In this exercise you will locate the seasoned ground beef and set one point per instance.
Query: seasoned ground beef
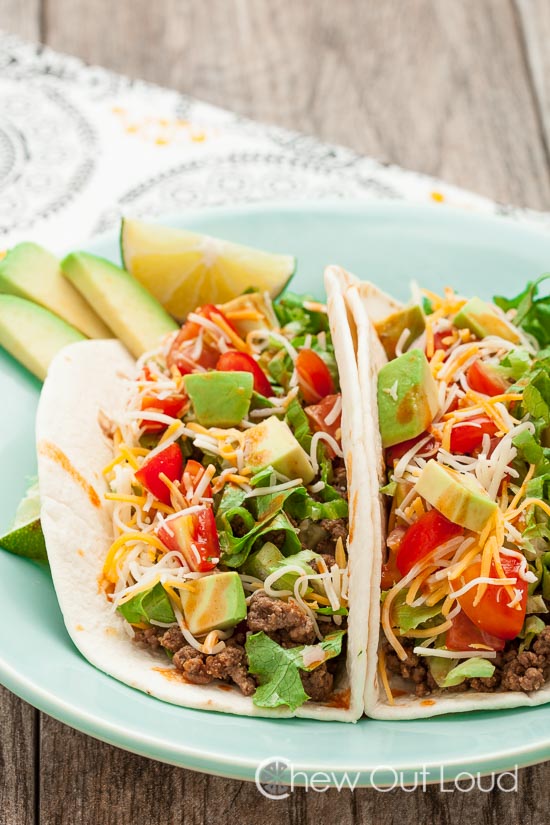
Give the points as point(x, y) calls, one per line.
point(318, 683)
point(282, 621)
point(334, 529)
point(339, 477)
point(514, 670)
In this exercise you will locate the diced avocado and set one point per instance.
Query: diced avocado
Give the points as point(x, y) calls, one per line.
point(407, 397)
point(457, 496)
point(391, 328)
point(32, 334)
point(261, 563)
point(127, 308)
point(220, 399)
point(215, 603)
point(269, 558)
point(272, 443)
point(481, 318)
point(31, 272)
point(254, 303)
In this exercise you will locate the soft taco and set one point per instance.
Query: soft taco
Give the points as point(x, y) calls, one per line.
point(457, 391)
point(202, 520)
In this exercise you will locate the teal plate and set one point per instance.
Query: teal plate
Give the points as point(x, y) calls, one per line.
point(388, 244)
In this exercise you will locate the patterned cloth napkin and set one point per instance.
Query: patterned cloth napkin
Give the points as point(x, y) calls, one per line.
point(79, 146)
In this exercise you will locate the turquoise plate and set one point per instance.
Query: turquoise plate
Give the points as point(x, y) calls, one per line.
point(389, 244)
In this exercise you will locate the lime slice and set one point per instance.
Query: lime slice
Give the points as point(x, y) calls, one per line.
point(184, 270)
point(26, 537)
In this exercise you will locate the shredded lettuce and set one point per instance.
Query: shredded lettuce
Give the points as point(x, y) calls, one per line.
point(532, 311)
point(151, 605)
point(278, 668)
point(407, 617)
point(290, 310)
point(298, 422)
point(468, 669)
point(531, 628)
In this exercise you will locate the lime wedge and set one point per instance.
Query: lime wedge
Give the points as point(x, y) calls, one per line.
point(184, 270)
point(26, 537)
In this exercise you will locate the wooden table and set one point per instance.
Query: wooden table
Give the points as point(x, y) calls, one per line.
point(456, 88)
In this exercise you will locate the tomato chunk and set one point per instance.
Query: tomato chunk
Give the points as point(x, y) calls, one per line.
point(397, 451)
point(423, 537)
point(492, 614)
point(464, 634)
point(195, 536)
point(183, 352)
point(317, 414)
point(233, 361)
point(468, 435)
point(170, 462)
point(194, 472)
point(314, 376)
point(173, 405)
point(481, 378)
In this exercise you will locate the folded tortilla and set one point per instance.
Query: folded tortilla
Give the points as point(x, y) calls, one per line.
point(367, 305)
point(83, 381)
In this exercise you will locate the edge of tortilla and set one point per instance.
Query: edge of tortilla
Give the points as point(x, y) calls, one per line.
point(77, 523)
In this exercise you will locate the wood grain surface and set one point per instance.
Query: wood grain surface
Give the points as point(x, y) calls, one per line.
point(456, 88)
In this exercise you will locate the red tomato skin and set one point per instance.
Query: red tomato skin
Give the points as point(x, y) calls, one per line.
point(469, 435)
point(423, 537)
point(482, 379)
point(180, 354)
point(317, 413)
point(181, 531)
point(173, 406)
point(492, 614)
point(464, 633)
point(233, 361)
point(397, 451)
point(438, 340)
point(169, 462)
point(314, 376)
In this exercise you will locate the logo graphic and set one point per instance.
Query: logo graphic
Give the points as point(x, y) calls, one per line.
point(273, 777)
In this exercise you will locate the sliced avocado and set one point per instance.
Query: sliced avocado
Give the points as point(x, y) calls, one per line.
point(253, 302)
point(220, 399)
point(128, 309)
point(407, 397)
point(32, 334)
point(482, 319)
point(390, 329)
point(31, 272)
point(272, 443)
point(457, 495)
point(215, 603)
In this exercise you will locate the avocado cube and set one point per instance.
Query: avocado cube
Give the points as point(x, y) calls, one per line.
point(456, 495)
point(220, 399)
point(216, 602)
point(272, 444)
point(391, 328)
point(407, 397)
point(482, 319)
point(264, 561)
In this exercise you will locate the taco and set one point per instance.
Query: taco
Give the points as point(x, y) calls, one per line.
point(457, 391)
point(202, 520)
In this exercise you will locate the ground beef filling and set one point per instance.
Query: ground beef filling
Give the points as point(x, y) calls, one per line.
point(283, 622)
point(514, 670)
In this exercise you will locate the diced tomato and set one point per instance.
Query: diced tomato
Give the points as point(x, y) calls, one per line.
point(182, 352)
point(468, 435)
point(195, 536)
point(172, 406)
point(390, 573)
point(481, 378)
point(233, 361)
point(314, 376)
point(170, 462)
point(464, 634)
point(317, 414)
point(195, 470)
point(397, 451)
point(423, 537)
point(439, 337)
point(492, 614)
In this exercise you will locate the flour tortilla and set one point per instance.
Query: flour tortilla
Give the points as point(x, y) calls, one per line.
point(86, 378)
point(367, 304)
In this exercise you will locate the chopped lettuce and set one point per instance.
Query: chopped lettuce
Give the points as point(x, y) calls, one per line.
point(531, 628)
point(468, 669)
point(290, 310)
point(298, 422)
point(407, 617)
point(151, 605)
point(278, 668)
point(515, 364)
point(536, 604)
point(532, 311)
